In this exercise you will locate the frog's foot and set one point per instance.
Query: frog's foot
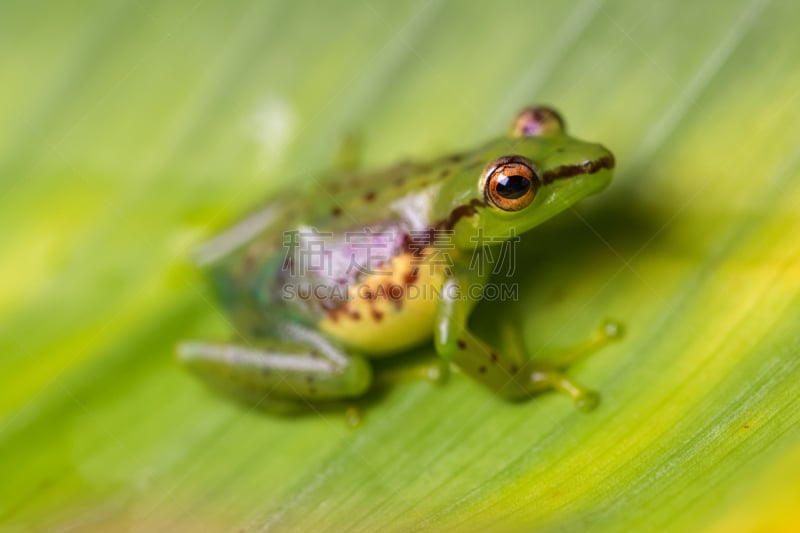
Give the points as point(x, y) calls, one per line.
point(608, 332)
point(513, 376)
point(542, 379)
point(279, 370)
point(536, 376)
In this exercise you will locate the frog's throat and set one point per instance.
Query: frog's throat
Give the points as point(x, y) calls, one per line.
point(590, 166)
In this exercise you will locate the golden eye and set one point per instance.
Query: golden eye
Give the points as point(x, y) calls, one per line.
point(511, 183)
point(536, 121)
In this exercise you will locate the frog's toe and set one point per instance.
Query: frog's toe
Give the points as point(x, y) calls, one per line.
point(587, 401)
point(353, 417)
point(612, 329)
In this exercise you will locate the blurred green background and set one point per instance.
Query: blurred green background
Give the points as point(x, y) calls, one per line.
point(131, 130)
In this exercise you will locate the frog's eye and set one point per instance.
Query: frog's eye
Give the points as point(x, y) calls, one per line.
point(536, 121)
point(511, 183)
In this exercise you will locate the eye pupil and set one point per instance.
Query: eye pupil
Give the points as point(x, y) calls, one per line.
point(510, 183)
point(513, 187)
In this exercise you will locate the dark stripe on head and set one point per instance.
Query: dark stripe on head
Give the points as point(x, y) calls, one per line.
point(458, 213)
point(570, 171)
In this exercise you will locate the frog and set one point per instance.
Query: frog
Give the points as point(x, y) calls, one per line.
point(354, 266)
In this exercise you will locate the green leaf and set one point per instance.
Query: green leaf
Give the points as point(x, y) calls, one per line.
point(132, 130)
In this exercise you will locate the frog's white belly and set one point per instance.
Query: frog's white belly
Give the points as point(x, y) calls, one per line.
point(391, 310)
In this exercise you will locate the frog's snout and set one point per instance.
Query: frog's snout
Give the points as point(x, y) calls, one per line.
point(611, 161)
point(604, 162)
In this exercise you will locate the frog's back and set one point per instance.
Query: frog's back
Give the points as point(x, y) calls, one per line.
point(344, 257)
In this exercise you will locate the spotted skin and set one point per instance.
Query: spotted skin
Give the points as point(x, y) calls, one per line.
point(390, 310)
point(349, 267)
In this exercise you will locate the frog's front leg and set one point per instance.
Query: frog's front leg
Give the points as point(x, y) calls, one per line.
point(298, 368)
point(510, 373)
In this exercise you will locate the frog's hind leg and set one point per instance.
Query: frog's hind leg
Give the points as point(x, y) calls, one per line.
point(279, 369)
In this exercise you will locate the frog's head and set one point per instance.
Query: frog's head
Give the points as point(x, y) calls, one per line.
point(533, 173)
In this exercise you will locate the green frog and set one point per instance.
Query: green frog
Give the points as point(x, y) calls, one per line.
point(355, 266)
